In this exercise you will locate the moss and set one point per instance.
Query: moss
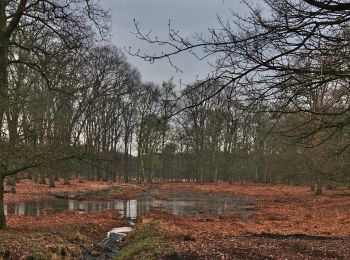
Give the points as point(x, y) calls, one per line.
point(144, 243)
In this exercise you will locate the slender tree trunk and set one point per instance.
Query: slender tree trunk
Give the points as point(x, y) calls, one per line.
point(319, 185)
point(312, 188)
point(216, 177)
point(3, 74)
point(2, 207)
point(42, 178)
point(126, 168)
point(126, 158)
point(105, 171)
point(90, 171)
point(11, 181)
point(151, 171)
point(51, 181)
point(3, 97)
point(35, 177)
point(142, 169)
point(66, 179)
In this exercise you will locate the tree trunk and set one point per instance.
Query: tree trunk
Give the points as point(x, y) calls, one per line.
point(319, 186)
point(105, 171)
point(51, 181)
point(66, 179)
point(312, 188)
point(216, 177)
point(3, 97)
point(11, 181)
point(42, 178)
point(142, 169)
point(126, 157)
point(2, 208)
point(151, 171)
point(3, 75)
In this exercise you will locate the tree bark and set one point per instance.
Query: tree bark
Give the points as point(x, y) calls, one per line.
point(319, 185)
point(51, 181)
point(142, 169)
point(3, 75)
point(2, 207)
point(42, 178)
point(66, 179)
point(126, 155)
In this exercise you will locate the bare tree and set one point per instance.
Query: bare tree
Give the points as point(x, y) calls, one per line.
point(68, 21)
point(276, 57)
point(259, 53)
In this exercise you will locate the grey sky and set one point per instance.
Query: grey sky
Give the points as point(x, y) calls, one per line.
point(188, 16)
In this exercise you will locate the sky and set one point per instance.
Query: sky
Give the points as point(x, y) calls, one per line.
point(187, 16)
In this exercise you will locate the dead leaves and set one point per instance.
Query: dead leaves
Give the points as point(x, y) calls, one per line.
point(278, 209)
point(28, 190)
point(49, 235)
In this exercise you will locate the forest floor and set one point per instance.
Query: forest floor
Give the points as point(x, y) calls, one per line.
point(82, 189)
point(285, 222)
point(64, 234)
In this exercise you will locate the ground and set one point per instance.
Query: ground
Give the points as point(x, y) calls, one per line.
point(27, 190)
point(50, 237)
point(64, 234)
point(285, 222)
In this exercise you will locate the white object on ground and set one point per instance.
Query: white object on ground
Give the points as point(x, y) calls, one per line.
point(119, 232)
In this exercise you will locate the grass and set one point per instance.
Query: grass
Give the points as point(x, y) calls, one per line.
point(106, 191)
point(4, 253)
point(36, 256)
point(101, 193)
point(144, 243)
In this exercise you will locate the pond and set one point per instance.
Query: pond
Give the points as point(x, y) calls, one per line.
point(186, 203)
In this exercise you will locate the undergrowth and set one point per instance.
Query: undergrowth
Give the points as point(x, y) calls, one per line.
point(144, 243)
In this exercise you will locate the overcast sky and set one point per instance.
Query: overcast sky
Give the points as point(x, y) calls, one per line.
point(188, 16)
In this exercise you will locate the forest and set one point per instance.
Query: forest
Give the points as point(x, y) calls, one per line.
point(269, 124)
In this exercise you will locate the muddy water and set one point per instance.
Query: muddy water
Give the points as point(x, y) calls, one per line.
point(180, 203)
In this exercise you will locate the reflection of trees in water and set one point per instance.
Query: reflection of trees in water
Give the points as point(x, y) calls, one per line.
point(178, 203)
point(129, 209)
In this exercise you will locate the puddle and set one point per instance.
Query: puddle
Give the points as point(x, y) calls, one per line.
point(181, 203)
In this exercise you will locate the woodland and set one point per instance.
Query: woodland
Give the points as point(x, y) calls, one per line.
point(270, 121)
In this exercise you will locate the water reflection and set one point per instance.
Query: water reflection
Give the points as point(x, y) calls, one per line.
point(181, 203)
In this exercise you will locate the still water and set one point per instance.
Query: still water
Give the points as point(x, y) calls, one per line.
point(180, 203)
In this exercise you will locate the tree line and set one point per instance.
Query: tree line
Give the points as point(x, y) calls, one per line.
point(273, 110)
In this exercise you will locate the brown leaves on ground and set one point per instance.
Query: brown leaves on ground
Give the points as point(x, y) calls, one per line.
point(49, 237)
point(286, 222)
point(285, 209)
point(66, 233)
point(29, 190)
